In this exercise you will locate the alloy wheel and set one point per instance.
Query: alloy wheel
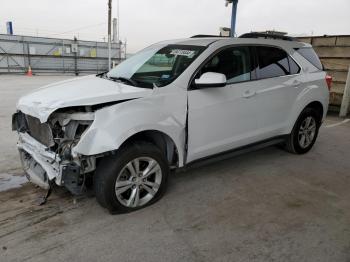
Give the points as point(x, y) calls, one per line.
point(307, 132)
point(138, 182)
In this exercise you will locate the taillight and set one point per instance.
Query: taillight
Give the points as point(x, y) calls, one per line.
point(329, 81)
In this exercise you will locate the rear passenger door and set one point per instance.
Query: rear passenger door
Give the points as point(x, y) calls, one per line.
point(279, 85)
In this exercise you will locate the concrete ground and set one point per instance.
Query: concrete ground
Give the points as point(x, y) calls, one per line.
point(266, 205)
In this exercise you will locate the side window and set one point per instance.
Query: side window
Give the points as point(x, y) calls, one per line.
point(235, 63)
point(294, 68)
point(273, 62)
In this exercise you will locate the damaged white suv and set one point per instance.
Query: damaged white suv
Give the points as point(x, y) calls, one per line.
point(169, 106)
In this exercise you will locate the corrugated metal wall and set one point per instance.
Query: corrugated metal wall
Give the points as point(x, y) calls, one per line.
point(52, 55)
point(334, 52)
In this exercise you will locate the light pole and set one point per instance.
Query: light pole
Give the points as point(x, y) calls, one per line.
point(234, 15)
point(118, 25)
point(109, 32)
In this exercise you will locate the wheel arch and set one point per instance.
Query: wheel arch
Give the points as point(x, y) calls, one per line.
point(317, 106)
point(160, 139)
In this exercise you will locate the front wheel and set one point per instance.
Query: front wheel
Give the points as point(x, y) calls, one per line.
point(136, 177)
point(304, 133)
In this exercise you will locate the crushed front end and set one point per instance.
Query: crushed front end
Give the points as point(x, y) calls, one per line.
point(46, 148)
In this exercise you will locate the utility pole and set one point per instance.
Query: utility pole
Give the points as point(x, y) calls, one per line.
point(115, 30)
point(118, 25)
point(109, 32)
point(234, 15)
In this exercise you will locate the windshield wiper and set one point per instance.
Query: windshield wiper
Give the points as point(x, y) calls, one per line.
point(126, 80)
point(123, 79)
point(102, 75)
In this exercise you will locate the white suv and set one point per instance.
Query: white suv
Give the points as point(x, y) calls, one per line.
point(169, 106)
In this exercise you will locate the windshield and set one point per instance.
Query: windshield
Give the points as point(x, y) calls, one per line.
point(156, 66)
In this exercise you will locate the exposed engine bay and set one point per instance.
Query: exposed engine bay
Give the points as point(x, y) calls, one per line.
point(46, 148)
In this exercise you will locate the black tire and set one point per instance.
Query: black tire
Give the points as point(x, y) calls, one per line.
point(292, 144)
point(109, 168)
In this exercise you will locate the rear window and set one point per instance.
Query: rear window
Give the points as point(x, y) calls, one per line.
point(310, 55)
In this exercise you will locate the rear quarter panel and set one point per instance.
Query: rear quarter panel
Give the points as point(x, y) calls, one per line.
point(314, 90)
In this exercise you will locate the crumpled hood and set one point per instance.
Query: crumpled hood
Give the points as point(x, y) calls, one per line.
point(82, 91)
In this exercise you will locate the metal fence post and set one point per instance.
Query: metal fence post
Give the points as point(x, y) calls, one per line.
point(76, 64)
point(76, 58)
point(8, 63)
point(97, 64)
point(25, 63)
point(344, 109)
point(63, 53)
point(28, 57)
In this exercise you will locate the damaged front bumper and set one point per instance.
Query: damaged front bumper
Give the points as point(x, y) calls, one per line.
point(43, 166)
point(40, 164)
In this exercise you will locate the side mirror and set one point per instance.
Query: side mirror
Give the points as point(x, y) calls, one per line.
point(211, 79)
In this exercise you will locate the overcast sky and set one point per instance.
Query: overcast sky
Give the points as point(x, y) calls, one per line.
point(148, 21)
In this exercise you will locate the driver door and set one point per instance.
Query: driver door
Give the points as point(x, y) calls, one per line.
point(223, 118)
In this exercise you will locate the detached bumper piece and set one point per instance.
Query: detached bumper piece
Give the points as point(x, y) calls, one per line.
point(42, 166)
point(34, 171)
point(36, 175)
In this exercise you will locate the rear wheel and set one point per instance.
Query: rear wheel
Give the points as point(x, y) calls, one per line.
point(305, 131)
point(136, 177)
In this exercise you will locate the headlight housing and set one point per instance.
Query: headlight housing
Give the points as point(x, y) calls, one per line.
point(67, 129)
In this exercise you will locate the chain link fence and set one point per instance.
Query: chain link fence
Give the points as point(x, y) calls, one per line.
point(52, 55)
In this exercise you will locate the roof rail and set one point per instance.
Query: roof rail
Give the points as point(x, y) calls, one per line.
point(268, 35)
point(203, 36)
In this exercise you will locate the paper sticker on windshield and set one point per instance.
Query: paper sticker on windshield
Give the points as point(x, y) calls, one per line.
point(188, 53)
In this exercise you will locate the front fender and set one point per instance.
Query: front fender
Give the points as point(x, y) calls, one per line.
point(115, 124)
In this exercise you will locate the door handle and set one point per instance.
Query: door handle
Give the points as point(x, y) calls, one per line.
point(249, 94)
